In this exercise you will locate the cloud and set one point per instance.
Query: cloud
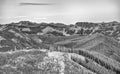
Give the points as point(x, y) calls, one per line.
point(37, 4)
point(60, 10)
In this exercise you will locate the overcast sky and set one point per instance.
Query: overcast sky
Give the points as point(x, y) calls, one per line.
point(63, 11)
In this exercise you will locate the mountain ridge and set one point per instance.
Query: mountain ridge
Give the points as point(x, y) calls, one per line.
point(55, 48)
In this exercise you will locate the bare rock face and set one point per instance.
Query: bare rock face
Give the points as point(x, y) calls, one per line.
point(56, 48)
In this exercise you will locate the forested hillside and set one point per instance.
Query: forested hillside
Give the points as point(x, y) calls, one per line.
point(56, 48)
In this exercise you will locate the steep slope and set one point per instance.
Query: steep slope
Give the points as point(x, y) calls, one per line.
point(93, 61)
point(97, 42)
point(39, 62)
point(53, 62)
point(11, 38)
point(55, 48)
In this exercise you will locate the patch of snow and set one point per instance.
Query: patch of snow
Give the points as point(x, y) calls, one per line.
point(48, 29)
point(39, 33)
point(3, 46)
point(14, 40)
point(8, 65)
point(64, 33)
point(38, 40)
point(2, 38)
point(76, 55)
point(16, 34)
point(26, 29)
point(12, 31)
point(55, 54)
point(2, 28)
point(43, 50)
point(59, 56)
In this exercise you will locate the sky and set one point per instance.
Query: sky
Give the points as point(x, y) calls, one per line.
point(62, 11)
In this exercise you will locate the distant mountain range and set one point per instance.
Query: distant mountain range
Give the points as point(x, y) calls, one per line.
point(84, 47)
